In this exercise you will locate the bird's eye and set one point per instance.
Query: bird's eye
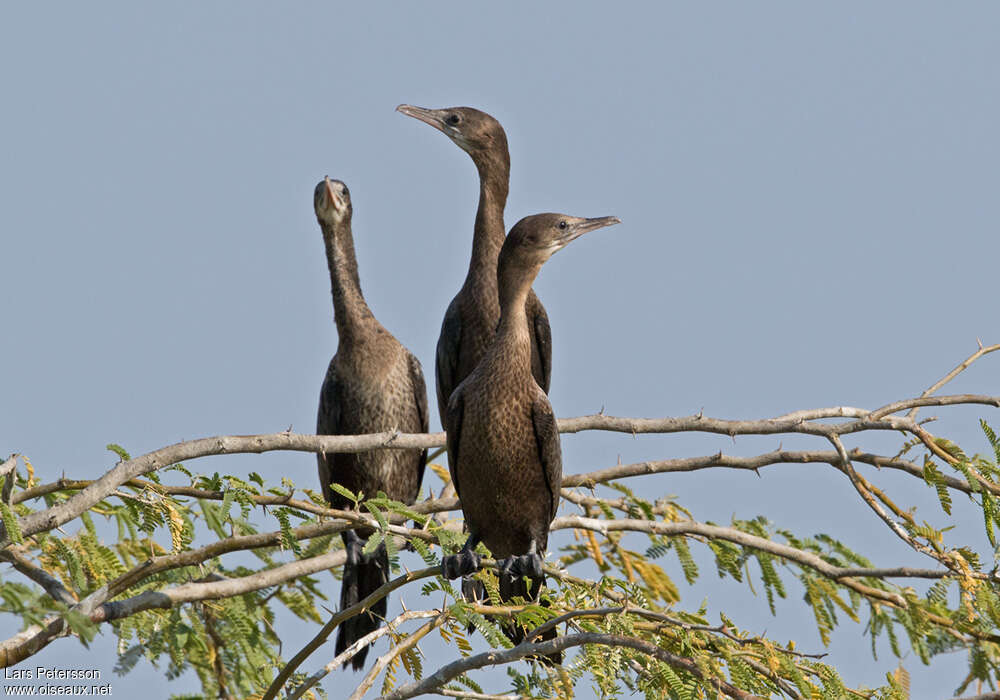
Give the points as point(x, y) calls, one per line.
point(563, 225)
point(453, 119)
point(345, 190)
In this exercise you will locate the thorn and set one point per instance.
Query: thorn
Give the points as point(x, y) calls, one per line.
point(979, 340)
point(289, 428)
point(601, 412)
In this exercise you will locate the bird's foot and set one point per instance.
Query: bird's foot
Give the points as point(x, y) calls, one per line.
point(462, 564)
point(525, 565)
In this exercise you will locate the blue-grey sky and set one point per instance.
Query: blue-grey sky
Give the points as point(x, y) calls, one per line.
point(809, 206)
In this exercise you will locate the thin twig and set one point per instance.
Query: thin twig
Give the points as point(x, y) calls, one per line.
point(357, 646)
point(954, 373)
point(52, 586)
point(387, 658)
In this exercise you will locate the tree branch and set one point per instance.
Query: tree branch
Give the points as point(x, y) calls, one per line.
point(357, 646)
point(799, 422)
point(52, 586)
point(387, 658)
point(954, 373)
point(494, 658)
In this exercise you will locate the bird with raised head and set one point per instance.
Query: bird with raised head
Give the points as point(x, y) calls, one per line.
point(471, 318)
point(372, 384)
point(503, 444)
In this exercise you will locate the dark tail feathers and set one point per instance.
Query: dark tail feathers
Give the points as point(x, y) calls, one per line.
point(516, 586)
point(359, 582)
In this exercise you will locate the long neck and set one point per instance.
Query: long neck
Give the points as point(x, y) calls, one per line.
point(494, 181)
point(512, 332)
point(349, 307)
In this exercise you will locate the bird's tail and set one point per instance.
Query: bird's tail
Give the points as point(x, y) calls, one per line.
point(360, 581)
point(527, 588)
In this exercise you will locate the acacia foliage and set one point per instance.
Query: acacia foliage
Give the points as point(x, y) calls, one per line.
point(612, 575)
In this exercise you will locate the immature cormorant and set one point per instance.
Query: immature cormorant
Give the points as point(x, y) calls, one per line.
point(373, 384)
point(471, 319)
point(503, 444)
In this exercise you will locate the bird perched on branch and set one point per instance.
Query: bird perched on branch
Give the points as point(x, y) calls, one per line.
point(471, 318)
point(373, 384)
point(503, 444)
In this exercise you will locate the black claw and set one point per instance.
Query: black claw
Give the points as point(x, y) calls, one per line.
point(524, 565)
point(462, 564)
point(530, 565)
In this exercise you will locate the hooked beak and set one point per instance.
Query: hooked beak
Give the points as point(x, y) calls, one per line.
point(427, 116)
point(582, 226)
point(338, 204)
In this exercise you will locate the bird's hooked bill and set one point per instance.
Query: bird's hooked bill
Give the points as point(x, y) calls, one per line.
point(428, 116)
point(335, 199)
point(582, 226)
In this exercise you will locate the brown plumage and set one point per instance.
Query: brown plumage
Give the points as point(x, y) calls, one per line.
point(472, 316)
point(503, 444)
point(373, 384)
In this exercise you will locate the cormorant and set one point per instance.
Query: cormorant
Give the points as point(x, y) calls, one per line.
point(471, 318)
point(373, 384)
point(503, 444)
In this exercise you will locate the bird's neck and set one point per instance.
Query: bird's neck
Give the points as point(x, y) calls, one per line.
point(489, 233)
point(350, 311)
point(513, 334)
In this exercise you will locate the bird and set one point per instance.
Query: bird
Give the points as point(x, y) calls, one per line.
point(372, 384)
point(472, 316)
point(503, 444)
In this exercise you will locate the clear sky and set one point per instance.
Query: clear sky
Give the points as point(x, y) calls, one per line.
point(808, 196)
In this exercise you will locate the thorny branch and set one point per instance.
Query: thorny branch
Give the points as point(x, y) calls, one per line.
point(496, 657)
point(829, 423)
point(798, 422)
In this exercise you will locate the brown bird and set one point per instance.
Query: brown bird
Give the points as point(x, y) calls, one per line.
point(471, 318)
point(373, 384)
point(503, 444)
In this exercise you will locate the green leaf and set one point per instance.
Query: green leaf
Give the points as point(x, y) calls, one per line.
point(337, 488)
point(10, 523)
point(120, 451)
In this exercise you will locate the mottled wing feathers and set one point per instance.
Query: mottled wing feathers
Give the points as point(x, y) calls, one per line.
point(420, 400)
point(446, 362)
point(549, 451)
point(453, 424)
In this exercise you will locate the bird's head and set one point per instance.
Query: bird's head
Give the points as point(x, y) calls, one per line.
point(475, 132)
point(534, 239)
point(332, 202)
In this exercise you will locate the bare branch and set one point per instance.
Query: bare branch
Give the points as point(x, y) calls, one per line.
point(954, 373)
point(469, 695)
point(799, 422)
point(52, 586)
point(360, 644)
point(657, 617)
point(496, 657)
point(320, 638)
point(387, 658)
